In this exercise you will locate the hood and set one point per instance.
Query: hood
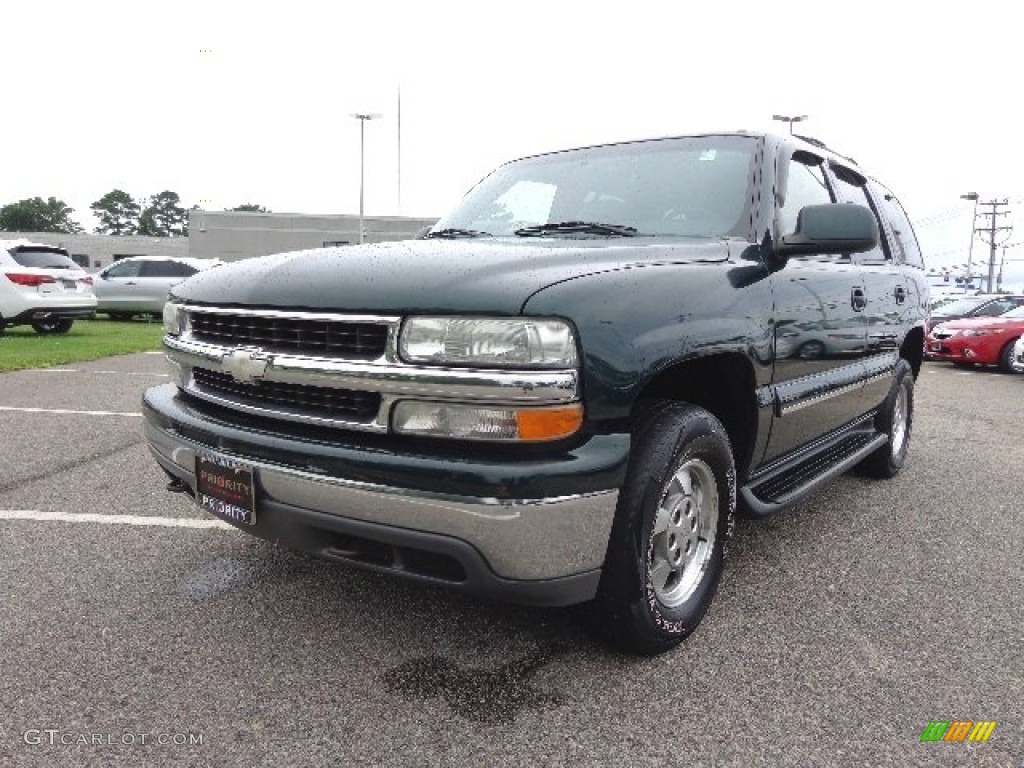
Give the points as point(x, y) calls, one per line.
point(981, 322)
point(430, 276)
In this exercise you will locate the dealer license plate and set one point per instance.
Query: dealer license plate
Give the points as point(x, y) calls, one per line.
point(226, 489)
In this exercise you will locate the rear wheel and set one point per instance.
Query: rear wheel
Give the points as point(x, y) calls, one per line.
point(896, 419)
point(59, 325)
point(667, 547)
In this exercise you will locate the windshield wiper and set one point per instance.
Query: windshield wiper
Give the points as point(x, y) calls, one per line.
point(584, 227)
point(454, 232)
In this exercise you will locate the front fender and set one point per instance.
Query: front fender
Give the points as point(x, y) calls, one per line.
point(635, 323)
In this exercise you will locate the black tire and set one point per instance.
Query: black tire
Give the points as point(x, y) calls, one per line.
point(961, 364)
point(1006, 357)
point(895, 418)
point(675, 444)
point(119, 316)
point(59, 325)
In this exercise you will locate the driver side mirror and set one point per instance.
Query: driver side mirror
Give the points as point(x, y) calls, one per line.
point(830, 229)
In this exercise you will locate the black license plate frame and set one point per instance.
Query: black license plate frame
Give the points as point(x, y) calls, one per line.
point(226, 488)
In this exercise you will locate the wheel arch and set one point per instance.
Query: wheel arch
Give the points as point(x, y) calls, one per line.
point(722, 384)
point(912, 349)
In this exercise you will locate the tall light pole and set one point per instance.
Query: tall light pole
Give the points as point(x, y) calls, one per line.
point(362, 118)
point(790, 120)
point(970, 250)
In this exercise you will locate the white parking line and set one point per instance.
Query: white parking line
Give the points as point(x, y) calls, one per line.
point(66, 411)
point(86, 370)
point(89, 517)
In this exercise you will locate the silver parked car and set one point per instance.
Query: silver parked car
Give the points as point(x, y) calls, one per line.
point(1017, 357)
point(139, 285)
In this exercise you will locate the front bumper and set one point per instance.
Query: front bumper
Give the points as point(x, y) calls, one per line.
point(1017, 361)
point(533, 530)
point(958, 349)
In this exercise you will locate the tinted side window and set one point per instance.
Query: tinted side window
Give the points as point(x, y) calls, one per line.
point(994, 308)
point(806, 186)
point(124, 269)
point(162, 269)
point(854, 190)
point(905, 241)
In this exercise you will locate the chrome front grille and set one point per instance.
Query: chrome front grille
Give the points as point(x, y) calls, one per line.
point(325, 402)
point(307, 336)
point(330, 368)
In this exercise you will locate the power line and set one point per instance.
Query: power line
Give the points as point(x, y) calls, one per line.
point(991, 230)
point(939, 217)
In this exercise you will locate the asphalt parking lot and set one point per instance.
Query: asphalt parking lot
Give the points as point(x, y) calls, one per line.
point(138, 631)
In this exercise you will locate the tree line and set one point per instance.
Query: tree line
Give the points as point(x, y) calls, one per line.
point(160, 215)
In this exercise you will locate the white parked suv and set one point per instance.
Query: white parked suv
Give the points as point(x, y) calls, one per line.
point(41, 286)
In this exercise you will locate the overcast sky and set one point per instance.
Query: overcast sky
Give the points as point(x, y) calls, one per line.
point(231, 102)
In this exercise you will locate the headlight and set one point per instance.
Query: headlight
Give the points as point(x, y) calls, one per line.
point(488, 342)
point(467, 422)
point(172, 319)
point(980, 331)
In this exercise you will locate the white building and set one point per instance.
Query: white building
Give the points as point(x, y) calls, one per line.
point(233, 235)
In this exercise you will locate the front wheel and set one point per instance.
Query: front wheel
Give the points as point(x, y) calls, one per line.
point(60, 325)
point(667, 547)
point(896, 419)
point(811, 350)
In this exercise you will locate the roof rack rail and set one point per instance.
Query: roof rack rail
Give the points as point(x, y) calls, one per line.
point(823, 145)
point(811, 140)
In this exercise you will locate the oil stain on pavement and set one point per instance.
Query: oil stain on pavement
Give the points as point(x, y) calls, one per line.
point(228, 572)
point(216, 576)
point(490, 697)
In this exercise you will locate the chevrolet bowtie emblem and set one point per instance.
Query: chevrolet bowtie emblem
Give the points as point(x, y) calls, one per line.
point(245, 365)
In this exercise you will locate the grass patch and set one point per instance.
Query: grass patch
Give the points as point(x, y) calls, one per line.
point(21, 347)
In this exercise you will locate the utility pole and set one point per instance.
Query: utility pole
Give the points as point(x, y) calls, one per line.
point(991, 231)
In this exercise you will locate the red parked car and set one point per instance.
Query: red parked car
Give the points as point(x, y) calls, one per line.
point(985, 340)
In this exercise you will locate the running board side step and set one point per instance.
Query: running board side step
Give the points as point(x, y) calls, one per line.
point(789, 483)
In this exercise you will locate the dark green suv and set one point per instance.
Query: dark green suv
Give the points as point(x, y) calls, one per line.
point(565, 390)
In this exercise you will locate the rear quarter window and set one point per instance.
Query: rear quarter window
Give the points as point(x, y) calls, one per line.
point(904, 241)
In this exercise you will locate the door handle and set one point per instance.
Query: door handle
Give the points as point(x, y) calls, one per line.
point(858, 300)
point(901, 294)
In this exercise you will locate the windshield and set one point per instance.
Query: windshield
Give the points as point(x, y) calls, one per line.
point(961, 306)
point(1017, 313)
point(690, 187)
point(42, 259)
